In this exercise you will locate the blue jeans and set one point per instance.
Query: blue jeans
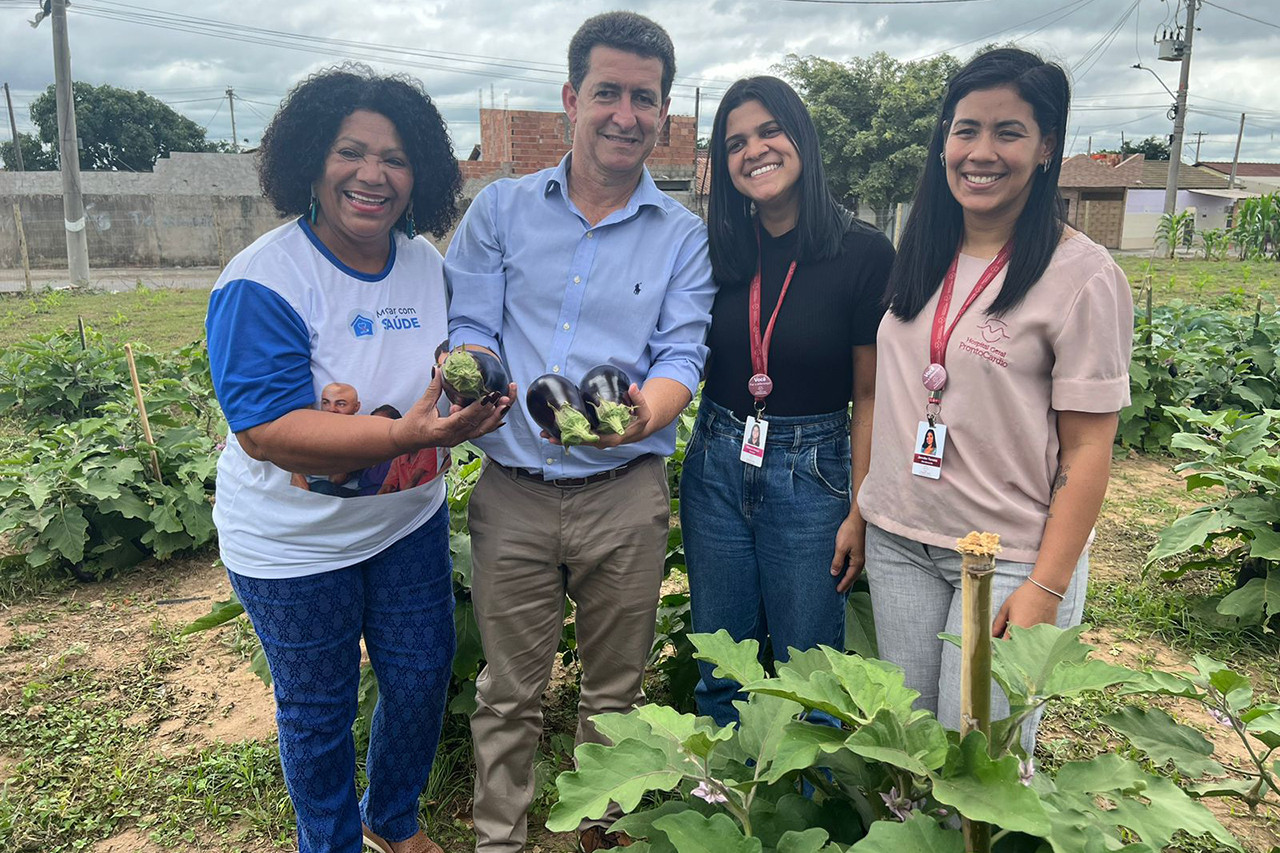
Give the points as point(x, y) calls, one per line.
point(758, 542)
point(401, 600)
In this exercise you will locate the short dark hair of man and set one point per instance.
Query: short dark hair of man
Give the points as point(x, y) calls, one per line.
point(297, 141)
point(621, 31)
point(387, 410)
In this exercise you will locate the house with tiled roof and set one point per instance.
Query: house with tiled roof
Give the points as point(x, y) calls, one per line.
point(1118, 200)
point(1259, 177)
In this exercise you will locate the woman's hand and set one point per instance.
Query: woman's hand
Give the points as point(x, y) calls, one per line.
point(850, 556)
point(423, 425)
point(1028, 605)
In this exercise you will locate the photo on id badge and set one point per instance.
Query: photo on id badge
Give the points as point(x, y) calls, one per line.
point(926, 461)
point(753, 438)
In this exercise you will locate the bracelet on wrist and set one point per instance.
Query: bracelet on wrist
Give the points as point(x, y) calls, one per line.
point(1060, 596)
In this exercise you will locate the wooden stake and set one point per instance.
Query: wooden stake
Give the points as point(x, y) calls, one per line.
point(22, 245)
point(142, 410)
point(84, 342)
point(978, 565)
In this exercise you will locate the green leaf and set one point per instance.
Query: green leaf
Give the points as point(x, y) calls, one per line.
point(66, 532)
point(259, 667)
point(622, 773)
point(222, 612)
point(917, 747)
point(640, 825)
point(126, 504)
point(1046, 661)
point(691, 832)
point(1150, 806)
point(1188, 532)
point(164, 518)
point(738, 661)
point(466, 661)
point(762, 732)
point(1256, 601)
point(859, 625)
point(1265, 726)
point(1164, 740)
point(694, 735)
point(800, 745)
point(990, 791)
point(919, 834)
point(810, 841)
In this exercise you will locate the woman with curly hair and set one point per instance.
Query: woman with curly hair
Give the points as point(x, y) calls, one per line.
point(344, 293)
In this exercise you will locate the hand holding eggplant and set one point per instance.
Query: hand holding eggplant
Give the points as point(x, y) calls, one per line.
point(637, 429)
point(424, 426)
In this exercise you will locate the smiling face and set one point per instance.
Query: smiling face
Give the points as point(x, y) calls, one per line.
point(993, 148)
point(762, 160)
point(365, 187)
point(616, 114)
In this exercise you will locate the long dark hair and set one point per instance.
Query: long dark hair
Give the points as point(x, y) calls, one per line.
point(819, 226)
point(936, 223)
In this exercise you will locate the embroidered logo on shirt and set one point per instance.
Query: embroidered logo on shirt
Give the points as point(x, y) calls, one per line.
point(361, 324)
point(992, 347)
point(637, 288)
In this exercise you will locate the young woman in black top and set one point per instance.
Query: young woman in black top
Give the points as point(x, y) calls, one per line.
point(772, 539)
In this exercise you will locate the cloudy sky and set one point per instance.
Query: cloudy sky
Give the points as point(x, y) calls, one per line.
point(505, 52)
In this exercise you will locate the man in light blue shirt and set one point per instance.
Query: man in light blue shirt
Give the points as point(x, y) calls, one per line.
point(557, 272)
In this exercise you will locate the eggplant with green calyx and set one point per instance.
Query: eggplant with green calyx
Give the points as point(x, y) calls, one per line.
point(470, 375)
point(608, 403)
point(556, 406)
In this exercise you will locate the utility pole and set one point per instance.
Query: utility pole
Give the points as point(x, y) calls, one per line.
point(1199, 137)
point(231, 101)
point(1235, 161)
point(1179, 119)
point(13, 129)
point(69, 151)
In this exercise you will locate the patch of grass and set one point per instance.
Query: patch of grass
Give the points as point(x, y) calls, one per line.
point(1238, 283)
point(163, 319)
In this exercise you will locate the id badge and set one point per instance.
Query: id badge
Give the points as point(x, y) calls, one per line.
point(926, 461)
point(753, 438)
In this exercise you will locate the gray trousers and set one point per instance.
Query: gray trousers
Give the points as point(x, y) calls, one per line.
point(915, 595)
point(532, 544)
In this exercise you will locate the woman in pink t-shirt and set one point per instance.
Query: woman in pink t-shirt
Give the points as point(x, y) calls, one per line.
point(1007, 340)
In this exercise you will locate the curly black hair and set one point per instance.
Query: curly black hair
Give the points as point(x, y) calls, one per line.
point(297, 141)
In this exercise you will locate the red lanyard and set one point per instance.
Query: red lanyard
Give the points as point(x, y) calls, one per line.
point(760, 385)
point(941, 332)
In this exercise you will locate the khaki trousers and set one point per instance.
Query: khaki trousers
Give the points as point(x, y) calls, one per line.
point(532, 543)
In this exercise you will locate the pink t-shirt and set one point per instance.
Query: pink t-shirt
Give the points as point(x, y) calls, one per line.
point(1064, 348)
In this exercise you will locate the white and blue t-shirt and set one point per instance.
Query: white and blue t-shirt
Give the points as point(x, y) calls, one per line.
point(287, 318)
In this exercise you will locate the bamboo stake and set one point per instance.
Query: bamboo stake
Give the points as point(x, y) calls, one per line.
point(978, 565)
point(22, 245)
point(84, 342)
point(142, 410)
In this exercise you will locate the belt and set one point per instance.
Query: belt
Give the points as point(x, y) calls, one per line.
point(576, 482)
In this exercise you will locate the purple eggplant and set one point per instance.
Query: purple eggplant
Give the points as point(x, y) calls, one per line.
point(472, 374)
point(556, 406)
point(608, 403)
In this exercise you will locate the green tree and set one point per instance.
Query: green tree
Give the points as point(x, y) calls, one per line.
point(35, 157)
point(1153, 148)
point(874, 116)
point(120, 130)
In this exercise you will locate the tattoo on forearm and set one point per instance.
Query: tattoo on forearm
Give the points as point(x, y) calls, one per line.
point(1058, 482)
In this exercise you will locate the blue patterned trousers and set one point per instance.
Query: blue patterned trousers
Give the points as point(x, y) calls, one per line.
point(401, 601)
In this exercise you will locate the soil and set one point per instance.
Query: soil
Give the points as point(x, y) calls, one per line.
point(217, 698)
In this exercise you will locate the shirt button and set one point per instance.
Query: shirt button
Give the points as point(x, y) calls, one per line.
point(590, 234)
point(555, 368)
point(577, 279)
point(550, 461)
point(566, 327)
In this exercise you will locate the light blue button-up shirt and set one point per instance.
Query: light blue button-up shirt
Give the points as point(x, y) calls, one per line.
point(532, 280)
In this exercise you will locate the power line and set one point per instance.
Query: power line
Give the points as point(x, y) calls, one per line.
point(1065, 12)
point(1241, 14)
point(883, 2)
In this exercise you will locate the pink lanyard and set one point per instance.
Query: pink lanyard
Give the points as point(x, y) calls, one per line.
point(935, 375)
point(760, 385)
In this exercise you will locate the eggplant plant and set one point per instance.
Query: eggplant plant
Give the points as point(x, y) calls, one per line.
point(886, 778)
